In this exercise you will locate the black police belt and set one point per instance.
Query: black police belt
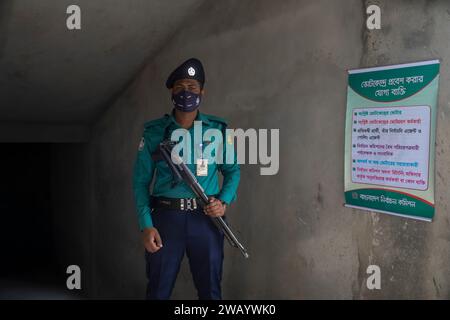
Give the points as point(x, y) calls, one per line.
point(183, 204)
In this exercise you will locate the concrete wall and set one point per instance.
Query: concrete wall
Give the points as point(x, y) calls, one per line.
point(53, 76)
point(282, 65)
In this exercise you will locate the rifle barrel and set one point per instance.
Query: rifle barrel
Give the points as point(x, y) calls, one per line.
point(181, 170)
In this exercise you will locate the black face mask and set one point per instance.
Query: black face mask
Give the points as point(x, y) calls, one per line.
point(185, 101)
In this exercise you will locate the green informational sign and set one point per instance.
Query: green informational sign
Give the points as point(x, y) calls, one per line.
point(390, 139)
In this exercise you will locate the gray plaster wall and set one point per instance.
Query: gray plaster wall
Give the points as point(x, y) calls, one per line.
point(279, 64)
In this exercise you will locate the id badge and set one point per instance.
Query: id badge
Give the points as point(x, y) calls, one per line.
point(202, 167)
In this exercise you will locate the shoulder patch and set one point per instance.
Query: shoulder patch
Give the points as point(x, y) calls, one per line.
point(141, 144)
point(217, 119)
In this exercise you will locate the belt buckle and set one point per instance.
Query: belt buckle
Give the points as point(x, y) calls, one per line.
point(188, 205)
point(191, 204)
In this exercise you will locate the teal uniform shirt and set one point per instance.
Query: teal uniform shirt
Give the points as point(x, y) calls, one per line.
point(146, 168)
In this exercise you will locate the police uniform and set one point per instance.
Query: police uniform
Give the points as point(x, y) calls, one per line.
point(172, 210)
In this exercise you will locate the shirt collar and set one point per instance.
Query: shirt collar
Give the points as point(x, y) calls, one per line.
point(200, 117)
point(204, 119)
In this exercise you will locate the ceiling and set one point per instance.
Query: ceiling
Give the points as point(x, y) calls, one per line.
point(54, 78)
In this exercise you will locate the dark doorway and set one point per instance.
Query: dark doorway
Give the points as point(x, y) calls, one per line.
point(26, 240)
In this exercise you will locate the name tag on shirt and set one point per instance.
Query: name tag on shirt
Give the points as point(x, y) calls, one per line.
point(202, 167)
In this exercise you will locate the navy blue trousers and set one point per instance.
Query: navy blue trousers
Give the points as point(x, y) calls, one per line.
point(196, 235)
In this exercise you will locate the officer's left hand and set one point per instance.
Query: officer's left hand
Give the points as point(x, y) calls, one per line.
point(215, 208)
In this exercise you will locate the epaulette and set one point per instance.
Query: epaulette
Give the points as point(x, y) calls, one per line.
point(157, 122)
point(216, 119)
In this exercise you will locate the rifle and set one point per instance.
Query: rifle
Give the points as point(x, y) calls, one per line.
point(180, 173)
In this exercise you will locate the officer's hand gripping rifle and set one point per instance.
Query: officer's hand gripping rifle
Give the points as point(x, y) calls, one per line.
point(181, 172)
